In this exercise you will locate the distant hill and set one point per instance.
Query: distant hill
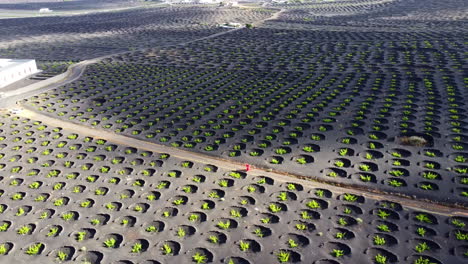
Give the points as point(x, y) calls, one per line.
point(61, 5)
point(58, 1)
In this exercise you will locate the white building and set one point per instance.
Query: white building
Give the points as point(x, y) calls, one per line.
point(45, 10)
point(15, 70)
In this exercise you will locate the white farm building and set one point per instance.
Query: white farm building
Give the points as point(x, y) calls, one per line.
point(15, 70)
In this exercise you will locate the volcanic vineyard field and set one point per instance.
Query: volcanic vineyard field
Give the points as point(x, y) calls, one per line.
point(339, 8)
point(366, 94)
point(403, 17)
point(300, 50)
point(68, 197)
point(326, 126)
point(81, 37)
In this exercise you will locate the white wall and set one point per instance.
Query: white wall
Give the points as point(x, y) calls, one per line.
point(15, 70)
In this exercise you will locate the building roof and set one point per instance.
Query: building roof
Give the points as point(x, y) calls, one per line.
point(10, 63)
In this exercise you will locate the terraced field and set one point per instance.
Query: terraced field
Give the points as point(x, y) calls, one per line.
point(354, 123)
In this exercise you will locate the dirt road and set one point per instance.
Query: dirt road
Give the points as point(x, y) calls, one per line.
point(230, 165)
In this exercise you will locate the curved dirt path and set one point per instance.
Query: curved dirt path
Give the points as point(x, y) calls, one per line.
point(230, 165)
point(255, 24)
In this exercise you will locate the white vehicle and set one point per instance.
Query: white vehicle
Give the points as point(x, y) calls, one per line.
point(45, 10)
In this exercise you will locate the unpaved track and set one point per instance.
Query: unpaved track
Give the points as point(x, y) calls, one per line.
point(255, 24)
point(230, 165)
